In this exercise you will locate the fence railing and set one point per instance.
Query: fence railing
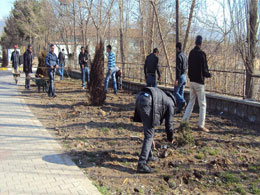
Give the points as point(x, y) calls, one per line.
point(226, 82)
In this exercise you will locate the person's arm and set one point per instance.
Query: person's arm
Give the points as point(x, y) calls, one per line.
point(57, 61)
point(25, 62)
point(12, 57)
point(169, 123)
point(205, 67)
point(178, 67)
point(47, 61)
point(145, 67)
point(157, 68)
point(189, 65)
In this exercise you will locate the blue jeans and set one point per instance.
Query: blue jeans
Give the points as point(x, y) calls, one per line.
point(151, 80)
point(84, 73)
point(178, 91)
point(108, 76)
point(61, 71)
point(51, 74)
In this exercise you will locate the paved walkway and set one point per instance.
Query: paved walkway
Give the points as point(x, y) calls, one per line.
point(31, 160)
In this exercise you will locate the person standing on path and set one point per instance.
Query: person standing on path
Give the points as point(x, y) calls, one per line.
point(61, 58)
point(83, 62)
point(51, 63)
point(15, 58)
point(111, 69)
point(181, 71)
point(150, 67)
point(197, 72)
point(153, 106)
point(27, 65)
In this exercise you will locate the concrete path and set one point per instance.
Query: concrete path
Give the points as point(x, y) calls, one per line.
point(31, 160)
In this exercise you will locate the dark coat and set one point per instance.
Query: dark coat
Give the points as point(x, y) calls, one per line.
point(198, 67)
point(15, 60)
point(84, 59)
point(163, 104)
point(27, 61)
point(151, 65)
point(61, 58)
point(181, 64)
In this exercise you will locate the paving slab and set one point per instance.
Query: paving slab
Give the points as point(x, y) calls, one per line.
point(31, 159)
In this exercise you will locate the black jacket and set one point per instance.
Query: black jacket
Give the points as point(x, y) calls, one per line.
point(27, 61)
point(15, 60)
point(61, 58)
point(181, 64)
point(198, 66)
point(163, 108)
point(83, 59)
point(151, 65)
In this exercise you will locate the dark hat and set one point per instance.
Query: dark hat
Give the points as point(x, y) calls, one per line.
point(198, 40)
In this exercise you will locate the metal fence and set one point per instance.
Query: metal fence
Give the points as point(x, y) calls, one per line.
point(226, 82)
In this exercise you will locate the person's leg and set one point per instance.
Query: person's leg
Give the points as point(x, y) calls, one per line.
point(179, 92)
point(148, 81)
point(154, 81)
point(50, 82)
point(202, 104)
point(83, 77)
point(114, 82)
point(87, 75)
point(107, 81)
point(190, 106)
point(53, 86)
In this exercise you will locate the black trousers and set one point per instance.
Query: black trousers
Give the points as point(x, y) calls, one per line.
point(144, 106)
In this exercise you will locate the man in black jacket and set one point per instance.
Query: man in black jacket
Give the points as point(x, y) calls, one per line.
point(153, 106)
point(181, 70)
point(61, 58)
point(15, 58)
point(27, 65)
point(150, 67)
point(197, 72)
point(83, 62)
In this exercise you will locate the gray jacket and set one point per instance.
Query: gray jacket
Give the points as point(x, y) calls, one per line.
point(163, 108)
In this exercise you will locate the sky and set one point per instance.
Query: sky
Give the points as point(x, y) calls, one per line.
point(5, 8)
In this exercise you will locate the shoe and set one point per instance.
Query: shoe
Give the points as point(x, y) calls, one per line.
point(83, 87)
point(143, 168)
point(152, 159)
point(203, 129)
point(54, 96)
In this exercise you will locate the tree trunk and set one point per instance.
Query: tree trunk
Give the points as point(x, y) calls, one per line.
point(143, 52)
point(163, 42)
point(251, 58)
point(177, 21)
point(150, 30)
point(122, 54)
point(189, 24)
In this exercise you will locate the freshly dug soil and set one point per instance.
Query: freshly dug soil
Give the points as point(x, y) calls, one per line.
point(106, 144)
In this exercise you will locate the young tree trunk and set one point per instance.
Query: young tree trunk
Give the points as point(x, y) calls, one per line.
point(252, 41)
point(177, 21)
point(189, 24)
point(150, 30)
point(121, 8)
point(163, 42)
point(143, 52)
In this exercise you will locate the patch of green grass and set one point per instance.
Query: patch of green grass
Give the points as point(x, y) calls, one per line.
point(230, 178)
point(102, 189)
point(213, 151)
point(105, 130)
point(239, 188)
point(112, 143)
point(199, 155)
point(254, 169)
point(185, 135)
point(255, 188)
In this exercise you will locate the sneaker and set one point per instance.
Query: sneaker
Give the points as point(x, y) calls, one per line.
point(143, 168)
point(83, 87)
point(203, 129)
point(152, 159)
point(54, 96)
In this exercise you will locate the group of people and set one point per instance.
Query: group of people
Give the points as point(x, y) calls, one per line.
point(113, 71)
point(154, 105)
point(56, 64)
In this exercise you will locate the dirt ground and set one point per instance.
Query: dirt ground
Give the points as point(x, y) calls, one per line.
point(105, 143)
